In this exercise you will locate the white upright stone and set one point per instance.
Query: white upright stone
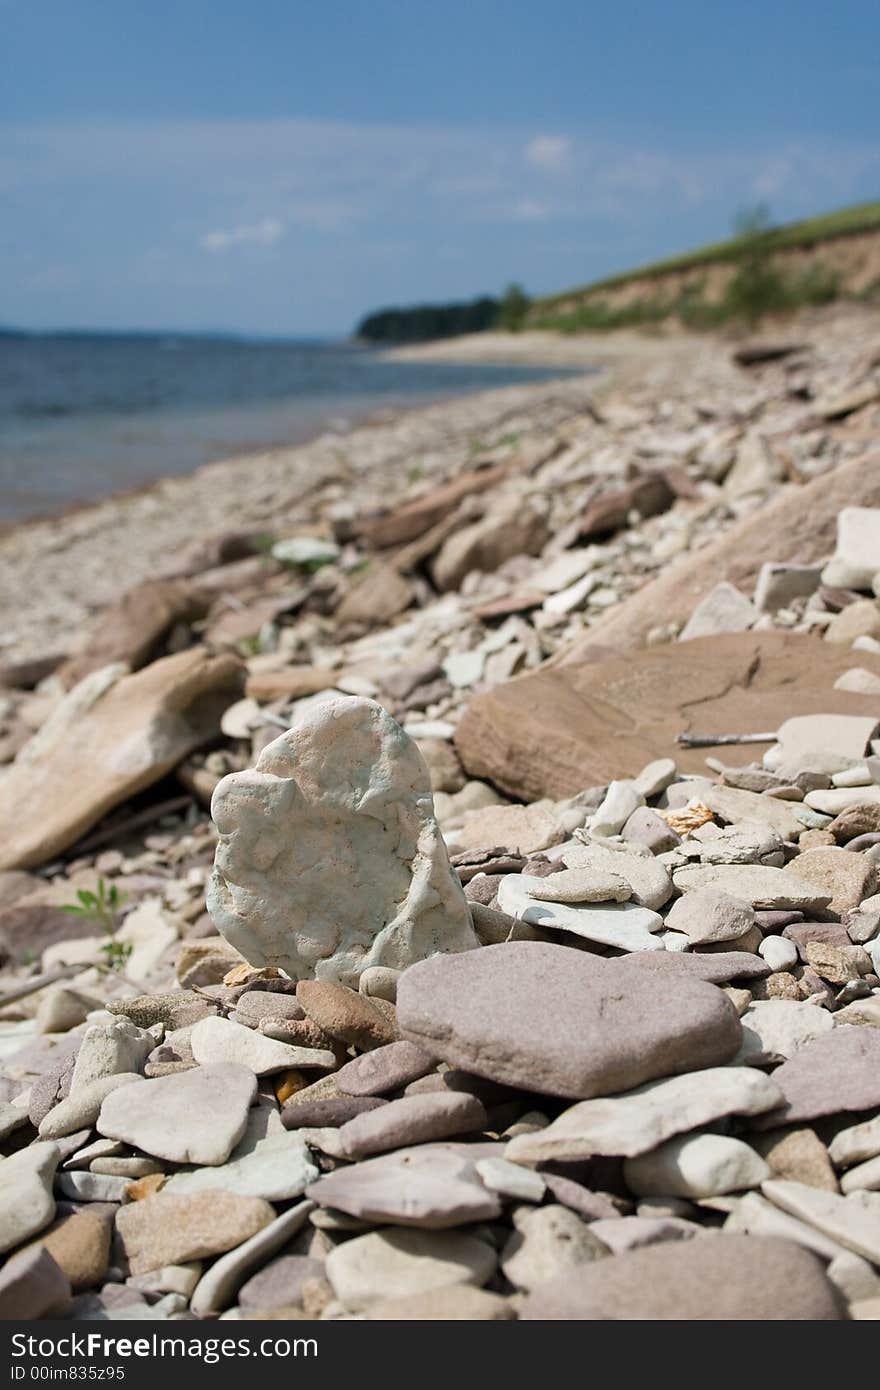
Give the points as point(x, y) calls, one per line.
point(330, 860)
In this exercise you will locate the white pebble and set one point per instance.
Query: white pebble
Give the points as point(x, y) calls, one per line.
point(778, 952)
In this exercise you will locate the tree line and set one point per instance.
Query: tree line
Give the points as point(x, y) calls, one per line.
point(419, 323)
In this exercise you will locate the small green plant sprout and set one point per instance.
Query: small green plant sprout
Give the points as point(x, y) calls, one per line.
point(101, 908)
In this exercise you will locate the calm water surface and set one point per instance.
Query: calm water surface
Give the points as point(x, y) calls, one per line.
point(84, 416)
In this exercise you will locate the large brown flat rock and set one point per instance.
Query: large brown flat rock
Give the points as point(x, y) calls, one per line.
point(112, 736)
point(566, 727)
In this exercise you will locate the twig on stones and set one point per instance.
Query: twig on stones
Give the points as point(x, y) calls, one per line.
point(715, 740)
point(134, 822)
point(38, 982)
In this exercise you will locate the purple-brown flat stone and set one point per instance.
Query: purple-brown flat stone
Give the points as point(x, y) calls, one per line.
point(551, 1019)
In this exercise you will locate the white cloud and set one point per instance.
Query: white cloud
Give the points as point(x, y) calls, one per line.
point(530, 210)
point(263, 233)
point(549, 152)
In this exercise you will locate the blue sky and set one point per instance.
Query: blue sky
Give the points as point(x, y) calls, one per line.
point(285, 166)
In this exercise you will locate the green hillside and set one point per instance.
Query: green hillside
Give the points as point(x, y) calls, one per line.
point(677, 283)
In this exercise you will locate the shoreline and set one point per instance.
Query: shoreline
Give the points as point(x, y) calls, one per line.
point(56, 571)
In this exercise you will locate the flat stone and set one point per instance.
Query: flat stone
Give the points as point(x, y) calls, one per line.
point(717, 968)
point(399, 1261)
point(584, 885)
point(595, 1206)
point(455, 1303)
point(854, 562)
point(258, 1004)
point(710, 1279)
point(639, 1120)
point(280, 1283)
point(848, 877)
point(546, 1241)
point(855, 1278)
point(167, 1229)
point(379, 982)
point(344, 1014)
point(836, 964)
point(847, 1220)
point(756, 884)
point(829, 933)
point(80, 1246)
point(114, 734)
point(774, 1028)
point(217, 1287)
point(749, 842)
point(176, 1008)
point(511, 1180)
point(859, 619)
point(268, 1161)
point(512, 526)
point(590, 717)
point(618, 804)
point(12, 1117)
point(861, 819)
point(80, 1111)
point(865, 1177)
point(798, 1154)
point(195, 1116)
point(332, 1112)
point(26, 1200)
point(602, 1029)
point(656, 776)
point(845, 735)
point(734, 805)
point(839, 799)
point(329, 859)
point(411, 1120)
point(624, 925)
point(634, 1232)
point(61, 1008)
point(200, 963)
point(385, 1069)
point(779, 584)
point(754, 1215)
point(32, 1286)
point(645, 827)
point(92, 1187)
point(695, 1165)
point(151, 932)
point(724, 609)
point(830, 1076)
point(108, 1049)
point(708, 914)
point(778, 952)
point(129, 1168)
point(856, 1144)
point(521, 829)
point(648, 878)
point(429, 1186)
point(218, 1040)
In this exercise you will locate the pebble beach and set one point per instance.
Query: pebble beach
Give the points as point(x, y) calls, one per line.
point(440, 862)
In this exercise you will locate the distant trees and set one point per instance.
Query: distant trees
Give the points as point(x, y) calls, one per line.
point(421, 322)
point(513, 309)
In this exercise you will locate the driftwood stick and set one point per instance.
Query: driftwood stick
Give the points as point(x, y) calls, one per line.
point(64, 972)
point(716, 740)
point(134, 822)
